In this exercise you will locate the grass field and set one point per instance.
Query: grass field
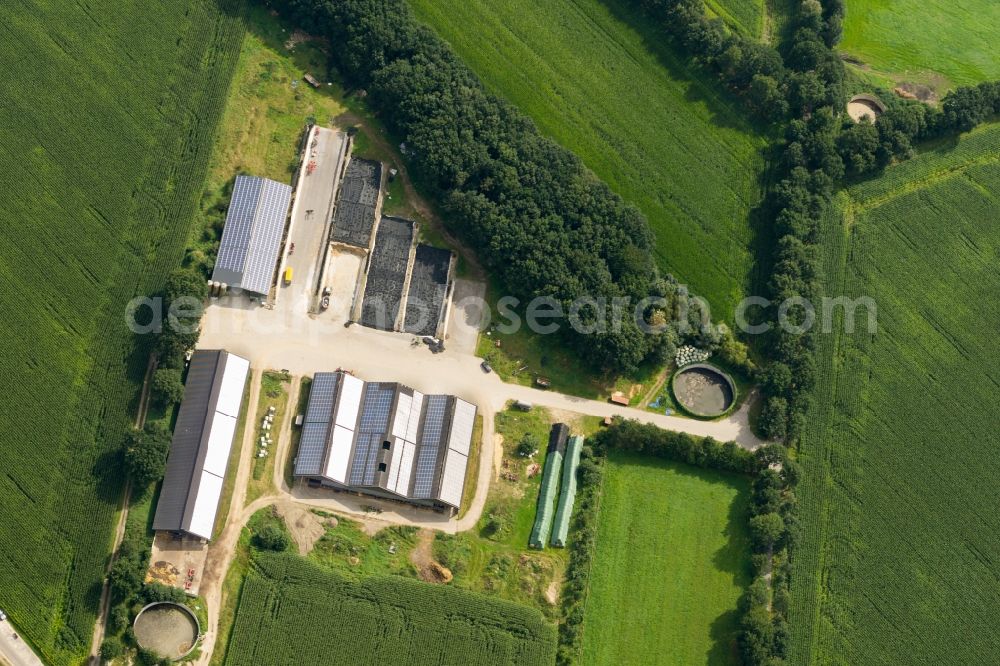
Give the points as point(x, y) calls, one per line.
point(598, 78)
point(900, 561)
point(671, 562)
point(925, 40)
point(108, 114)
point(273, 393)
point(293, 612)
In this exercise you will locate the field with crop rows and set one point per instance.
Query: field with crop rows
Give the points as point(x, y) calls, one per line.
point(900, 561)
point(915, 40)
point(746, 16)
point(670, 564)
point(293, 612)
point(108, 114)
point(598, 78)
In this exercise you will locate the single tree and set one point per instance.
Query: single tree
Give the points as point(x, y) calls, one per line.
point(146, 455)
point(168, 387)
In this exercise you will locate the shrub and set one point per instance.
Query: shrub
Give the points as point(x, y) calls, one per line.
point(527, 445)
point(496, 525)
point(153, 592)
point(271, 537)
point(112, 647)
point(128, 571)
point(118, 620)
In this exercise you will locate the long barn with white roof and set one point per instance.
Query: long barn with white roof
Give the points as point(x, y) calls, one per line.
point(386, 440)
point(203, 438)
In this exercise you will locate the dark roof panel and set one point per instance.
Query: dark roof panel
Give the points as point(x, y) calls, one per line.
point(197, 407)
point(201, 442)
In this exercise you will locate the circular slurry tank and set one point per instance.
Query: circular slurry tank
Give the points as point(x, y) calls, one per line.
point(704, 390)
point(865, 106)
point(166, 628)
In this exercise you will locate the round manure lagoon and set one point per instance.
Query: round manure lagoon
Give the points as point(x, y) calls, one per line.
point(704, 390)
point(167, 629)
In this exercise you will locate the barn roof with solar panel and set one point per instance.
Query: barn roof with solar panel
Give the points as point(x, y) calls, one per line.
point(386, 439)
point(251, 239)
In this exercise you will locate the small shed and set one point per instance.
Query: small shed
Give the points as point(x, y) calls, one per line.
point(619, 398)
point(311, 80)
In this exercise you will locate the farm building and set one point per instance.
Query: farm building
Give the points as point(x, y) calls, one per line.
point(203, 437)
point(386, 440)
point(251, 239)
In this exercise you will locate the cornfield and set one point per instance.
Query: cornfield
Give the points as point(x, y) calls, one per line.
point(109, 112)
point(899, 561)
point(293, 612)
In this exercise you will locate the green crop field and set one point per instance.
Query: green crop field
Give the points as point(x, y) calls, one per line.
point(671, 561)
point(900, 562)
point(924, 40)
point(108, 112)
point(599, 79)
point(293, 612)
point(746, 16)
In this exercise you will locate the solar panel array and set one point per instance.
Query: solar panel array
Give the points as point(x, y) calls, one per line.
point(434, 466)
point(377, 405)
point(374, 424)
point(315, 427)
point(239, 226)
point(251, 239)
point(312, 447)
point(430, 446)
point(322, 396)
point(269, 227)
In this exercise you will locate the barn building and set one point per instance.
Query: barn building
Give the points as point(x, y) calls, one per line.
point(386, 440)
point(251, 239)
point(203, 438)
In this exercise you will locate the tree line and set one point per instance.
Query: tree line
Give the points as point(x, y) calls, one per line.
point(541, 222)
